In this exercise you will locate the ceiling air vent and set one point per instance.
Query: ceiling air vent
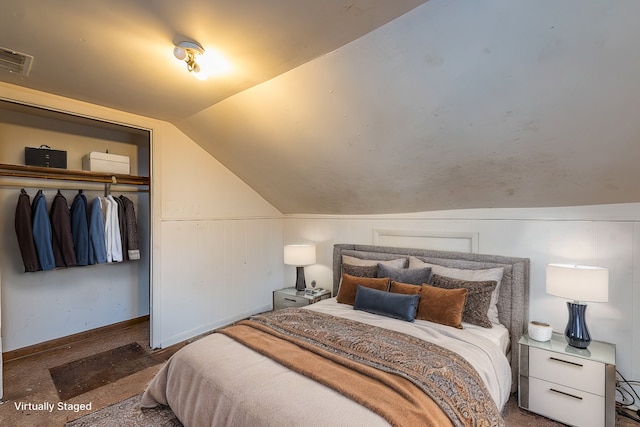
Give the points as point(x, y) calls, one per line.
point(15, 62)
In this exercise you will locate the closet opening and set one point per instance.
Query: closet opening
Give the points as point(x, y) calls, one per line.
point(66, 302)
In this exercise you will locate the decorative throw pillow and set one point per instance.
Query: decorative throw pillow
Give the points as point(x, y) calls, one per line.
point(404, 288)
point(414, 276)
point(349, 286)
point(397, 263)
point(441, 305)
point(398, 306)
point(360, 270)
point(478, 298)
point(472, 275)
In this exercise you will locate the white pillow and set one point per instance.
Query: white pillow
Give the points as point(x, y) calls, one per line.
point(395, 263)
point(471, 275)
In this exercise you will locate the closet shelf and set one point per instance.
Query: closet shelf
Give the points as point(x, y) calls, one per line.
point(36, 172)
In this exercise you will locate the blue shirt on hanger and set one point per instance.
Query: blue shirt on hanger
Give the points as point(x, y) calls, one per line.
point(42, 232)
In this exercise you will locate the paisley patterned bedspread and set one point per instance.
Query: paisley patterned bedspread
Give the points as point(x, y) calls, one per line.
point(386, 361)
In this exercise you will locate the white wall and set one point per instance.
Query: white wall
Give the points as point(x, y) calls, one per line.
point(217, 248)
point(607, 236)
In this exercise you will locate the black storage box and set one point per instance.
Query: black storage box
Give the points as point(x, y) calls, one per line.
point(45, 157)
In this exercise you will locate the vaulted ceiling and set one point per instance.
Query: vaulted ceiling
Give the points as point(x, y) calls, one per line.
point(346, 107)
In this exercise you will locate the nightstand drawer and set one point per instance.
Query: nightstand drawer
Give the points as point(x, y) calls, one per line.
point(567, 405)
point(570, 371)
point(281, 300)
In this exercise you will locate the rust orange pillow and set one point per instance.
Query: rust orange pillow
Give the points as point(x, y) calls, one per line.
point(349, 286)
point(404, 288)
point(441, 305)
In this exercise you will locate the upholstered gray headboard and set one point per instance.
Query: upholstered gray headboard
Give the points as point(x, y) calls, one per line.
point(513, 300)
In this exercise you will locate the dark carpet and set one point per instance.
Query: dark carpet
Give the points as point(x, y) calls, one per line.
point(83, 375)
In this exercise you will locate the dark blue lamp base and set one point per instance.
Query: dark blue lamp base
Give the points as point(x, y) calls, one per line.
point(576, 332)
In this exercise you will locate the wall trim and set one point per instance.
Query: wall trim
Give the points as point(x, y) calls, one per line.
point(71, 339)
point(459, 241)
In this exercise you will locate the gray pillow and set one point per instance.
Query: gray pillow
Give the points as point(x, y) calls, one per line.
point(398, 306)
point(412, 276)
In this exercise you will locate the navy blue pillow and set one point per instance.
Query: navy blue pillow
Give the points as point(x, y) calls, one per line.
point(398, 306)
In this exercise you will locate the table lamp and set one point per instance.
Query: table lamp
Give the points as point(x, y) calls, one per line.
point(300, 255)
point(581, 284)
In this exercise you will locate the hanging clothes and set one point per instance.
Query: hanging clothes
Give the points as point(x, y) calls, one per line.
point(97, 248)
point(62, 239)
point(133, 251)
point(80, 228)
point(24, 232)
point(112, 231)
point(42, 232)
point(122, 222)
point(105, 206)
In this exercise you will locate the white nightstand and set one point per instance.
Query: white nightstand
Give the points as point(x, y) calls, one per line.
point(290, 297)
point(568, 384)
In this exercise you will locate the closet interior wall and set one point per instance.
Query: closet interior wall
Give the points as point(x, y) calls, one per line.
point(45, 305)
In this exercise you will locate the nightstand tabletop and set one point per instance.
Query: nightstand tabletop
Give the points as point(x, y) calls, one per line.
point(295, 293)
point(597, 351)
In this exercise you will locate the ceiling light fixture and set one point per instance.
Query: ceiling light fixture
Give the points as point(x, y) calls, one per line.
point(186, 51)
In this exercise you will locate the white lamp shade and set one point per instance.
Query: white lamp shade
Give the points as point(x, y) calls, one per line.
point(578, 282)
point(299, 255)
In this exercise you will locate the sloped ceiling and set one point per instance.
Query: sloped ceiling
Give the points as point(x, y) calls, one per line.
point(119, 53)
point(455, 104)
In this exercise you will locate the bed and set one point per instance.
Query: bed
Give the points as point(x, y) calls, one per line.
point(331, 364)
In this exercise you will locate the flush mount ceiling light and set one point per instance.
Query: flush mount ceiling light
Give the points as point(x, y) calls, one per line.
point(186, 51)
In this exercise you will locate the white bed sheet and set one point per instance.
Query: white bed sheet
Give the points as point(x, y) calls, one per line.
point(498, 334)
point(482, 347)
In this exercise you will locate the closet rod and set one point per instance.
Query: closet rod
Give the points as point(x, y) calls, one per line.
point(115, 188)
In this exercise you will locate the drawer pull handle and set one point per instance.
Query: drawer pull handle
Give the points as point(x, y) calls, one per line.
point(566, 361)
point(566, 394)
point(289, 299)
